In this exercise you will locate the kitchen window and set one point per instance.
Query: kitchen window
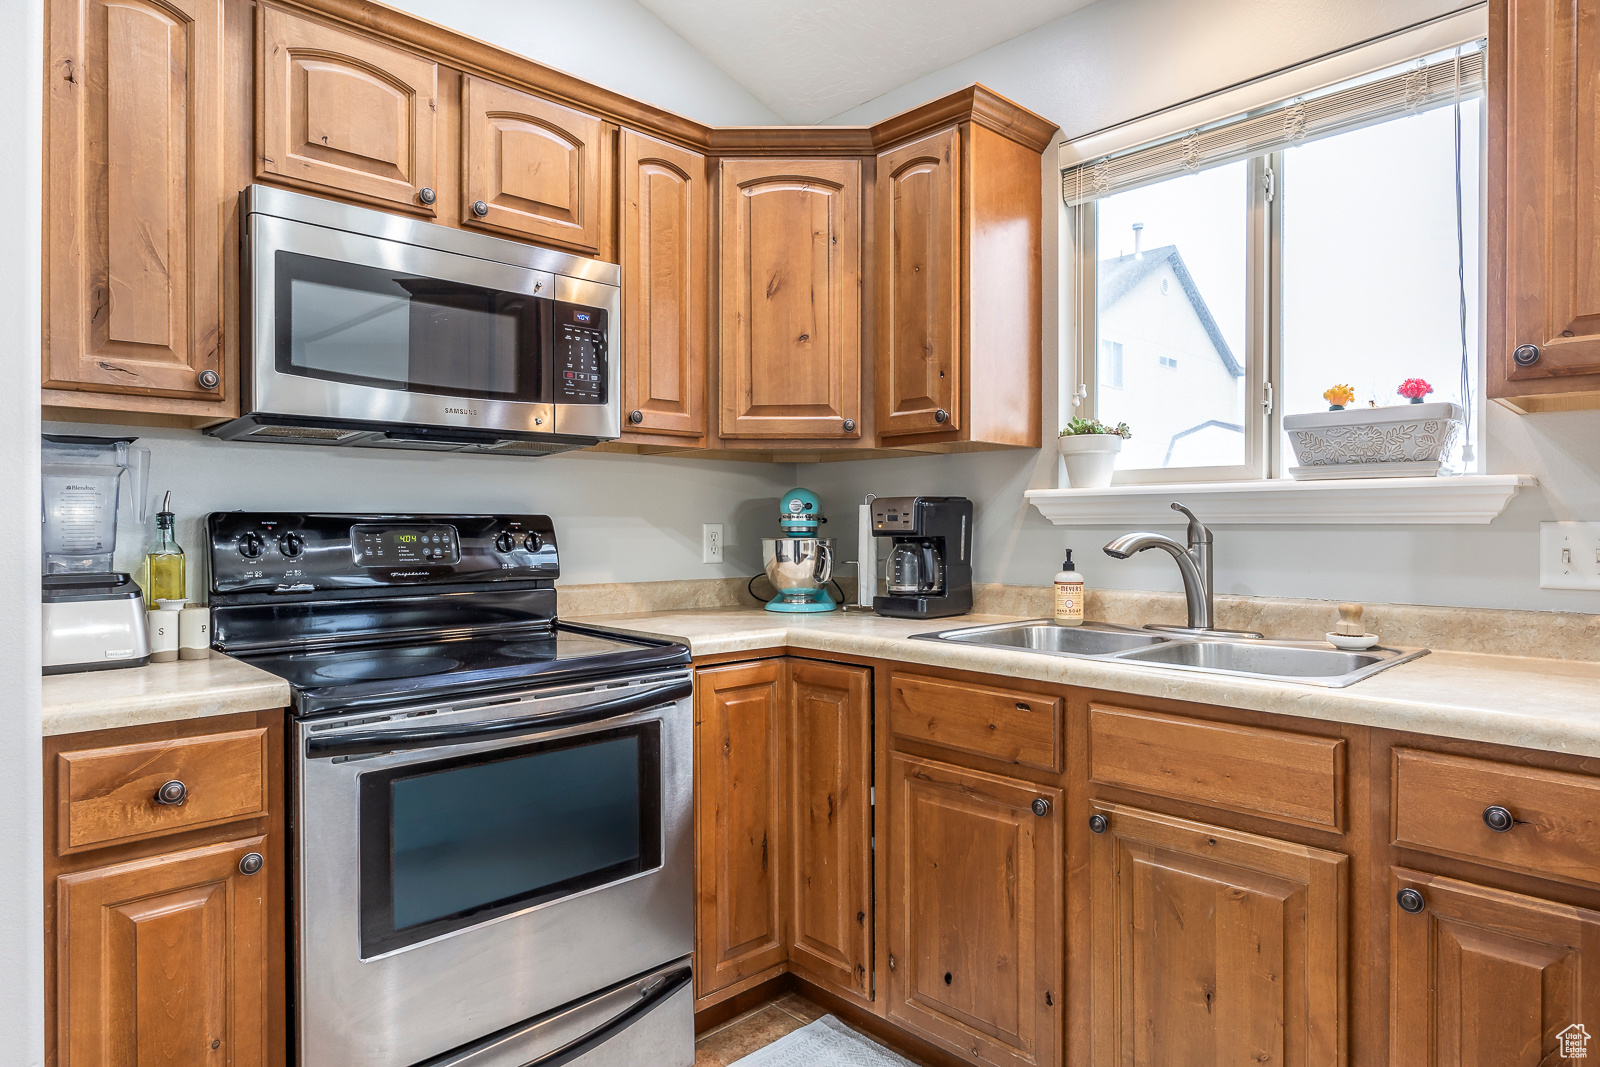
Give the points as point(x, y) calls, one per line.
point(1228, 276)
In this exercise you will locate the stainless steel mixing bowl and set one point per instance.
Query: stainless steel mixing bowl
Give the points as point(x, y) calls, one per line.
point(797, 565)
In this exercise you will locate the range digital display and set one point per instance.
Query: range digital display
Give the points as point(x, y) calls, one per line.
point(398, 546)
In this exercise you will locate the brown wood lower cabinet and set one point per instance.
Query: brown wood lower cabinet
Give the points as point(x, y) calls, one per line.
point(165, 960)
point(974, 911)
point(165, 943)
point(1212, 946)
point(828, 780)
point(783, 826)
point(739, 725)
point(1485, 978)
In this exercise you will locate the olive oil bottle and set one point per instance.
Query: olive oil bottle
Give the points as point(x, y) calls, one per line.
point(162, 577)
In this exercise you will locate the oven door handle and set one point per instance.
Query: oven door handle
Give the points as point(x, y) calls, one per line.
point(582, 1046)
point(371, 741)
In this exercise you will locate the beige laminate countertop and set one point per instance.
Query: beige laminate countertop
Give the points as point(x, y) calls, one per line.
point(1532, 703)
point(160, 692)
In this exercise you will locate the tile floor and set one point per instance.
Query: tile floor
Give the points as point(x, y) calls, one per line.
point(756, 1028)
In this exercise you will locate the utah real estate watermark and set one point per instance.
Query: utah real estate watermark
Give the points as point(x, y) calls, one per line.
point(1574, 1042)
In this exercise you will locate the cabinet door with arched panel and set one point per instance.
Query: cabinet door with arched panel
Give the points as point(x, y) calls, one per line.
point(532, 168)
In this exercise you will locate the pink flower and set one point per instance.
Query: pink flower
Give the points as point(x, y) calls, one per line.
point(1414, 389)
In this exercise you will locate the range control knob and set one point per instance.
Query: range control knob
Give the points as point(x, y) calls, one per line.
point(291, 544)
point(506, 542)
point(251, 545)
point(533, 542)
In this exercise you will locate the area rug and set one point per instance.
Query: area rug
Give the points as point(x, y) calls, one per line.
point(824, 1043)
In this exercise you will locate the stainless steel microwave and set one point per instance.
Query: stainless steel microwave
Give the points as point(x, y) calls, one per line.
point(371, 329)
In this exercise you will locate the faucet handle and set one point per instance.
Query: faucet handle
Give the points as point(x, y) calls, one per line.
point(1198, 533)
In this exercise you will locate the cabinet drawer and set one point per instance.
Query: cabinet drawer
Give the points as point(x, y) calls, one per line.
point(1440, 804)
point(108, 795)
point(1292, 777)
point(1011, 725)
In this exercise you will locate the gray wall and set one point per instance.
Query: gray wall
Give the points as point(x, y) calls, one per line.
point(21, 831)
point(614, 43)
point(618, 518)
point(1117, 60)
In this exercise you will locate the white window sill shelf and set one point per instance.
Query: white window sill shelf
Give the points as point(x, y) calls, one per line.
point(1468, 500)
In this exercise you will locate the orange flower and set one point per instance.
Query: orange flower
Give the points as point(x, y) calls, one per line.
point(1340, 395)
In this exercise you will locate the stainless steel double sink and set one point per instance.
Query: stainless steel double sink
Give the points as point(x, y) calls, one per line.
point(1309, 662)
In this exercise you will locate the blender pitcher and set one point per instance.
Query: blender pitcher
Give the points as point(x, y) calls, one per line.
point(82, 480)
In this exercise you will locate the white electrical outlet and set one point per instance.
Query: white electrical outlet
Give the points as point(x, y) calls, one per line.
point(1569, 555)
point(711, 542)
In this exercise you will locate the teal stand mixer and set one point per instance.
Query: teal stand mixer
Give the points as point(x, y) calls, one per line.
point(799, 564)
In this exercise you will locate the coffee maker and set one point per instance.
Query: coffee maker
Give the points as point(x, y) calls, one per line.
point(930, 556)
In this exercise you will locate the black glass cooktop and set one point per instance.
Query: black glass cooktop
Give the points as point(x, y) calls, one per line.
point(342, 680)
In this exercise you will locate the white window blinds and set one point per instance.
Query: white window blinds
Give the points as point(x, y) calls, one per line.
point(1425, 85)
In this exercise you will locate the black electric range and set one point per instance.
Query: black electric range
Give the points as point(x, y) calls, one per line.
point(369, 611)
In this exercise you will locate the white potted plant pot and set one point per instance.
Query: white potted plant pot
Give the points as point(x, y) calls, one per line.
point(1090, 458)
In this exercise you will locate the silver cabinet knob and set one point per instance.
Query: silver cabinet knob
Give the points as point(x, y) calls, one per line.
point(1098, 823)
point(849, 425)
point(1526, 355)
point(172, 794)
point(479, 208)
point(1498, 819)
point(941, 416)
point(251, 863)
point(1410, 901)
point(208, 379)
point(426, 195)
point(636, 416)
point(1041, 806)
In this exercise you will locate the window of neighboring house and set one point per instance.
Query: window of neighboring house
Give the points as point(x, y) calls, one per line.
point(1256, 263)
point(1110, 372)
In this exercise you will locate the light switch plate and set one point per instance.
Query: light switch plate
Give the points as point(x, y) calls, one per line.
point(711, 542)
point(1569, 555)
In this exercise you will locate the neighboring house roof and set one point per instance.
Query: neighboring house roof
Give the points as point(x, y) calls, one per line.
point(1119, 276)
point(1207, 425)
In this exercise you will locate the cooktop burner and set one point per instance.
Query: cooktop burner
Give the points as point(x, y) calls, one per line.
point(404, 608)
point(386, 674)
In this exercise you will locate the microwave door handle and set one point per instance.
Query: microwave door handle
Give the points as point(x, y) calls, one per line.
point(372, 741)
point(582, 1046)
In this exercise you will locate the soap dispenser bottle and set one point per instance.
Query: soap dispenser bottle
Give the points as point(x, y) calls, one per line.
point(162, 577)
point(1069, 594)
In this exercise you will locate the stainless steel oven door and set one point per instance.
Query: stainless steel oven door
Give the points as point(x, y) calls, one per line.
point(465, 869)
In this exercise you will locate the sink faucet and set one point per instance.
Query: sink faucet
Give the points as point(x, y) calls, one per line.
point(1194, 564)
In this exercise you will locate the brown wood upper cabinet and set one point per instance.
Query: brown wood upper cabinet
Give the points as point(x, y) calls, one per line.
point(790, 305)
point(663, 237)
point(531, 168)
point(345, 113)
point(1213, 946)
point(829, 777)
point(1544, 205)
point(974, 912)
point(738, 797)
point(135, 202)
point(958, 247)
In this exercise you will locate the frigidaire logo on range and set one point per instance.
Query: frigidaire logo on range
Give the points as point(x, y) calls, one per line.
point(460, 411)
point(409, 574)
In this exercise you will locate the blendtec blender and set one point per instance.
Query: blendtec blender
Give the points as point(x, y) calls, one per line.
point(93, 615)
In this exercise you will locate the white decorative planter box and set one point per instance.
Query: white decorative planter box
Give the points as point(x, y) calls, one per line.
point(1402, 441)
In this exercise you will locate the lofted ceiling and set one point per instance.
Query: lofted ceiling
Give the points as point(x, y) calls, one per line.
point(810, 61)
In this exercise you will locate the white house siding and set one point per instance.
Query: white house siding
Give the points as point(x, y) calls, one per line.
point(1150, 322)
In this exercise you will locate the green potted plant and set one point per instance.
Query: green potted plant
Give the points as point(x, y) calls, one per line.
point(1089, 447)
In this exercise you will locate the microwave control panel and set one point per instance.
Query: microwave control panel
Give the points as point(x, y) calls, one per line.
point(580, 354)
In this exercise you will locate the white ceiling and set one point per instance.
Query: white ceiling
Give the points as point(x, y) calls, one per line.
point(811, 60)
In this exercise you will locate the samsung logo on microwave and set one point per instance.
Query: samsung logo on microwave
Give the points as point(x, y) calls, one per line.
point(460, 411)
